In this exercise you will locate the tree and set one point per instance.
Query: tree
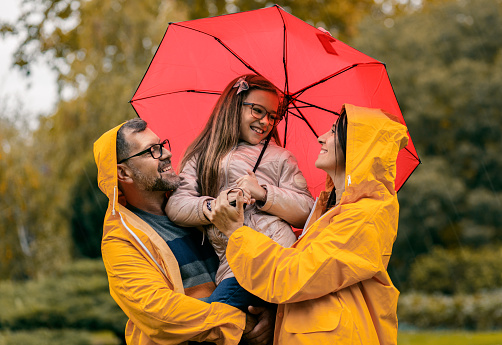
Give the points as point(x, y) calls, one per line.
point(340, 17)
point(100, 63)
point(25, 235)
point(446, 67)
point(100, 50)
point(87, 214)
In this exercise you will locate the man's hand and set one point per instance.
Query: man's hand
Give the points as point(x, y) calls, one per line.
point(225, 217)
point(263, 332)
point(250, 182)
point(250, 323)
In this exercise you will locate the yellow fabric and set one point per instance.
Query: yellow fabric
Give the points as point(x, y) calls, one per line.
point(145, 281)
point(332, 285)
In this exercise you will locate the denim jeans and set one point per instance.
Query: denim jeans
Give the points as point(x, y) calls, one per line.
point(230, 292)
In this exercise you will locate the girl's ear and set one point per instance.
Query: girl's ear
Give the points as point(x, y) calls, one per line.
point(124, 173)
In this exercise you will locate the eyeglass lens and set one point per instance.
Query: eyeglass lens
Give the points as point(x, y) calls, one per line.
point(158, 150)
point(260, 112)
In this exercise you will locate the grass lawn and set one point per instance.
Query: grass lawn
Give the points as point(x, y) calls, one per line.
point(449, 338)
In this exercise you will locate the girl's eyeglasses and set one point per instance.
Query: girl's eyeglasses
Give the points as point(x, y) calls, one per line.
point(259, 112)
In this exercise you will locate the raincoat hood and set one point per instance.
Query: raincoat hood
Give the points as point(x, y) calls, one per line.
point(374, 138)
point(105, 155)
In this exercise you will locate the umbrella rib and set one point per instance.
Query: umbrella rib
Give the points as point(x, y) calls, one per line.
point(284, 56)
point(310, 105)
point(224, 46)
point(174, 92)
point(292, 114)
point(236, 56)
point(415, 156)
point(304, 119)
point(334, 75)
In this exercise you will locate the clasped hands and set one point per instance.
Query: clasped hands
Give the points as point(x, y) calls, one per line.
point(228, 218)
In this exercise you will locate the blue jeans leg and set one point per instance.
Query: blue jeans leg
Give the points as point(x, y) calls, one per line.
point(230, 292)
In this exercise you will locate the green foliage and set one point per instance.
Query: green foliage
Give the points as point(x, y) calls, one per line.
point(89, 208)
point(46, 337)
point(12, 244)
point(100, 49)
point(78, 298)
point(340, 17)
point(25, 233)
point(448, 338)
point(446, 67)
point(457, 271)
point(445, 63)
point(480, 311)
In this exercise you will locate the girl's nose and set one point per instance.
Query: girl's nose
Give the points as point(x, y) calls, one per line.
point(264, 120)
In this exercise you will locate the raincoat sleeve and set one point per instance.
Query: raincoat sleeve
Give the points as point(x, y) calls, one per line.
point(185, 205)
point(344, 253)
point(290, 199)
point(165, 316)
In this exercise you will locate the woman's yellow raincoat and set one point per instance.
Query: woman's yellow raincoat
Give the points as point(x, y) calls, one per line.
point(332, 286)
point(144, 275)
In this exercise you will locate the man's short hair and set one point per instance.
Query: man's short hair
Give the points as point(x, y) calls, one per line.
point(134, 126)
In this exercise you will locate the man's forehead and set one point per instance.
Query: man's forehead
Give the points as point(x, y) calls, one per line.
point(142, 139)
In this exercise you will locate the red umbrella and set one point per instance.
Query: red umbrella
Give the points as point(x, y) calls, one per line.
point(316, 72)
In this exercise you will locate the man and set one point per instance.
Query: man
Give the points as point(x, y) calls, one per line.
point(159, 274)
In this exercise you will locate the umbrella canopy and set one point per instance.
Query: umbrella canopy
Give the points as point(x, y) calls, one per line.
point(317, 74)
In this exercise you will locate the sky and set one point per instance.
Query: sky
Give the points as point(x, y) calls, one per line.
point(36, 93)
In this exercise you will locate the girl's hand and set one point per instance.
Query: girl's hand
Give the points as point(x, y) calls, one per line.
point(250, 183)
point(225, 217)
point(246, 195)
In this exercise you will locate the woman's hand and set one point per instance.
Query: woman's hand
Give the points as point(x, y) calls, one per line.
point(250, 183)
point(225, 217)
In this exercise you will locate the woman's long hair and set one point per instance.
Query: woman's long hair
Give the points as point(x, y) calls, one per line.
point(221, 133)
point(341, 135)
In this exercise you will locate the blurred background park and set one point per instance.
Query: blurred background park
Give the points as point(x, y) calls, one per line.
point(444, 59)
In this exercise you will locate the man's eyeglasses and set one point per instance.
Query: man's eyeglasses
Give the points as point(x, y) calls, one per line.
point(259, 112)
point(156, 151)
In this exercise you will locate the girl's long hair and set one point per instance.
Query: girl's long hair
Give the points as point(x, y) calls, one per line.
point(221, 133)
point(341, 135)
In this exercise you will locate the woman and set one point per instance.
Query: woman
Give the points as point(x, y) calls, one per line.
point(332, 285)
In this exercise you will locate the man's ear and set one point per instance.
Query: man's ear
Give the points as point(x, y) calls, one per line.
point(124, 174)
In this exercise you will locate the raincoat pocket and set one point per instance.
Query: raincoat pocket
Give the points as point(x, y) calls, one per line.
point(320, 315)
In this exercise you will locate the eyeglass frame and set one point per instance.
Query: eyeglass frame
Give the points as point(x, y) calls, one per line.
point(267, 113)
point(149, 150)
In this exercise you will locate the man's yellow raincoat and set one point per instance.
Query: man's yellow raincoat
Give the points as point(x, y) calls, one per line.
point(332, 286)
point(144, 275)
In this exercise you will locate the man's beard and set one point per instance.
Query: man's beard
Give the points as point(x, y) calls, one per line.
point(156, 184)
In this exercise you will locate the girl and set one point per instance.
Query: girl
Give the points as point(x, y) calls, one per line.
point(222, 157)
